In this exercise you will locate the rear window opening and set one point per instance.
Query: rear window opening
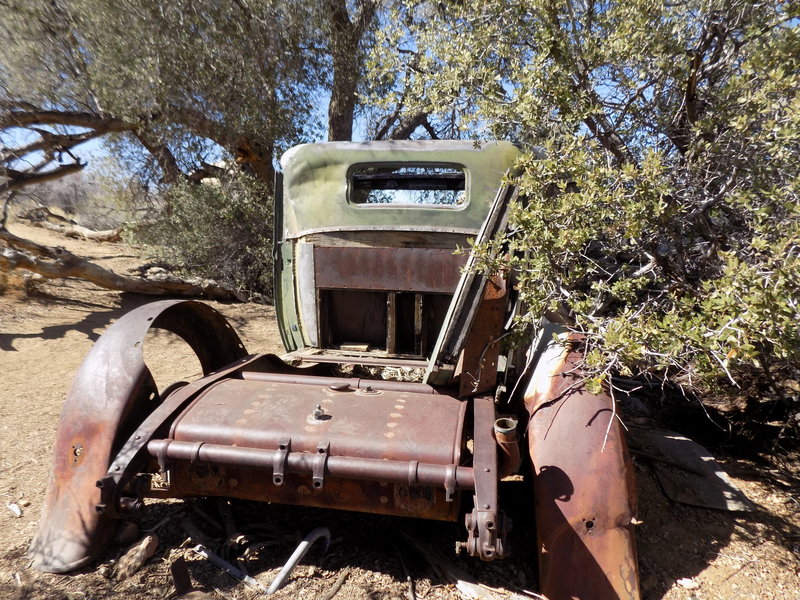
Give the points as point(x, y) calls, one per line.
point(408, 185)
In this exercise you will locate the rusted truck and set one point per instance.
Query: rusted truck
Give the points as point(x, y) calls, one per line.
point(397, 395)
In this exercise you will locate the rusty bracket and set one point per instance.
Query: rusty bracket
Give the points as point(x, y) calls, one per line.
point(165, 482)
point(279, 462)
point(320, 461)
point(450, 483)
point(487, 525)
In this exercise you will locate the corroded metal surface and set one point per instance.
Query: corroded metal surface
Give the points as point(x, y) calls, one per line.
point(366, 423)
point(247, 483)
point(468, 296)
point(421, 270)
point(389, 487)
point(487, 525)
point(481, 347)
point(584, 488)
point(354, 383)
point(112, 392)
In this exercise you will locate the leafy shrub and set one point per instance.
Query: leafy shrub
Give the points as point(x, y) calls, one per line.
point(663, 223)
point(220, 229)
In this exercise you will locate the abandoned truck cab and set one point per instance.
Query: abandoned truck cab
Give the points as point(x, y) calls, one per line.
point(365, 238)
point(397, 395)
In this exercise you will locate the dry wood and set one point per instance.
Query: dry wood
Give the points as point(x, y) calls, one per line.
point(135, 557)
point(336, 586)
point(83, 233)
point(44, 217)
point(59, 263)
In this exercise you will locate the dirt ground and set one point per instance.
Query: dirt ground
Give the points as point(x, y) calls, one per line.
point(46, 328)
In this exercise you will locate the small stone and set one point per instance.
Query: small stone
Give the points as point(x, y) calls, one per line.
point(688, 584)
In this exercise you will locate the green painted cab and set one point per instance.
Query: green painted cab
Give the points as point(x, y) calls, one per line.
point(365, 241)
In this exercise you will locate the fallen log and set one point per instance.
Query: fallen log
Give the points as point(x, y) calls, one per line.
point(81, 232)
point(59, 263)
point(46, 218)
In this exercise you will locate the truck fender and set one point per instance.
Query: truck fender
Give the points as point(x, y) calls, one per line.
point(113, 391)
point(583, 480)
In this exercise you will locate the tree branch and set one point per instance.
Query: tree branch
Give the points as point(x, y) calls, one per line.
point(206, 171)
point(49, 142)
point(164, 157)
point(406, 127)
point(20, 179)
point(25, 118)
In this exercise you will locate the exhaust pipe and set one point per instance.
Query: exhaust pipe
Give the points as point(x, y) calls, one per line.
point(505, 432)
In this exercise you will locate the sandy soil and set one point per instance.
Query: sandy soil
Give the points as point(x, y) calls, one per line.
point(46, 328)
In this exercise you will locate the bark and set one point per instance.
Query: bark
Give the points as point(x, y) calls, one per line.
point(83, 233)
point(171, 172)
point(25, 118)
point(345, 42)
point(58, 263)
point(49, 142)
point(409, 125)
point(253, 157)
point(19, 179)
point(257, 159)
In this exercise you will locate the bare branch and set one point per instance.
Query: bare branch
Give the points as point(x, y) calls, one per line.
point(25, 118)
point(20, 179)
point(49, 142)
point(163, 156)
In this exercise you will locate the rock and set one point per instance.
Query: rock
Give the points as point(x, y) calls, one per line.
point(688, 584)
point(135, 557)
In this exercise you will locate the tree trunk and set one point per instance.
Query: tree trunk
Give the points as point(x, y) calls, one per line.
point(343, 100)
point(345, 46)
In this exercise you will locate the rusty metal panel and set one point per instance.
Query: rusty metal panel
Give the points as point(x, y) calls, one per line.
point(422, 270)
point(111, 393)
point(352, 316)
point(399, 425)
point(584, 488)
point(318, 466)
point(481, 347)
point(200, 479)
point(332, 356)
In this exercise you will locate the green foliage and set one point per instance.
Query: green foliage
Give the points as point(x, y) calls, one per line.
point(220, 230)
point(663, 222)
point(185, 72)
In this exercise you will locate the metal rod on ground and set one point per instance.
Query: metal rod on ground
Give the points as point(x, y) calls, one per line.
point(298, 554)
point(220, 563)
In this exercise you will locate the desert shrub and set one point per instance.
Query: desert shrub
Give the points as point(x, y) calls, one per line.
point(663, 222)
point(221, 229)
